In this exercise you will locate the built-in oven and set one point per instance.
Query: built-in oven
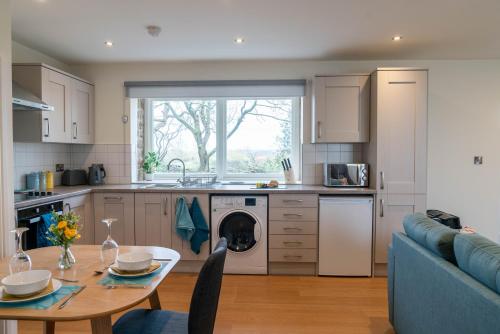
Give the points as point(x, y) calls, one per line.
point(31, 218)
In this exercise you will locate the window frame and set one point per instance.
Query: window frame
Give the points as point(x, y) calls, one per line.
point(221, 142)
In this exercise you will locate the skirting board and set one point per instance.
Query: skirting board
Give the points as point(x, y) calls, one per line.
point(380, 270)
point(290, 268)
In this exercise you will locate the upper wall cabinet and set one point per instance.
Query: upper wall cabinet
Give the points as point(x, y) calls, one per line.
point(72, 120)
point(341, 109)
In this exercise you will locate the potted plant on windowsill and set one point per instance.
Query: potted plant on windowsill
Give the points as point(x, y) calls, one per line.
point(150, 164)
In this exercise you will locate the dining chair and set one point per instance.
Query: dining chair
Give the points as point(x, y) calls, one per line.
point(202, 311)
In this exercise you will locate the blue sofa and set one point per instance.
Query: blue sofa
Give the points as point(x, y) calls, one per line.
point(442, 282)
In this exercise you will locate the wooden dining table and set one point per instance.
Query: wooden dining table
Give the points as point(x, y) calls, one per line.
point(95, 303)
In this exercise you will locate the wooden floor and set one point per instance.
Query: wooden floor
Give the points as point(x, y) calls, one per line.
point(276, 304)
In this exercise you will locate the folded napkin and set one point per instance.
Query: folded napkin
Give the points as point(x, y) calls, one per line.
point(184, 225)
point(201, 228)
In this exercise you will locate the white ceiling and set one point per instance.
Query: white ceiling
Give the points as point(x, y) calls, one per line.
point(75, 30)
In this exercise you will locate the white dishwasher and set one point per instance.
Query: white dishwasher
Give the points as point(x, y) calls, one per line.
point(345, 235)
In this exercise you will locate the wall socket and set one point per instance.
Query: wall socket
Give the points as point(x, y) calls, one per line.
point(59, 167)
point(478, 160)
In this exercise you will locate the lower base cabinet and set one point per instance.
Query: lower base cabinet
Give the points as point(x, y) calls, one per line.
point(82, 206)
point(153, 221)
point(119, 206)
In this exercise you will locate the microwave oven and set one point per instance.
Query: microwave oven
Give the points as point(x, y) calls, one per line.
point(345, 175)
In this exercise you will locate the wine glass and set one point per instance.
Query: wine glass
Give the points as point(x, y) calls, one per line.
point(20, 261)
point(109, 249)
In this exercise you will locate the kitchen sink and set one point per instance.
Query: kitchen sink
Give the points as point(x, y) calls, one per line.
point(159, 186)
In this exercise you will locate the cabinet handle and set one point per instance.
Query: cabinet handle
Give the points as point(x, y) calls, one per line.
point(319, 129)
point(293, 201)
point(295, 257)
point(118, 198)
point(165, 202)
point(292, 215)
point(381, 208)
point(292, 229)
point(382, 180)
point(290, 243)
point(75, 130)
point(68, 206)
point(47, 134)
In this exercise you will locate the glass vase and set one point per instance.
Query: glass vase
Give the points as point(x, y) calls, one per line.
point(66, 259)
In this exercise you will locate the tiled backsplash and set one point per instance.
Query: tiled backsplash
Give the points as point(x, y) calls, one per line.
point(314, 155)
point(34, 157)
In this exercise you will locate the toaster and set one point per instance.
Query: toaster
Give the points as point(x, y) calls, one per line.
point(74, 177)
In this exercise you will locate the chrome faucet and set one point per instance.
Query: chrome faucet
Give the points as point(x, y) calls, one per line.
point(183, 181)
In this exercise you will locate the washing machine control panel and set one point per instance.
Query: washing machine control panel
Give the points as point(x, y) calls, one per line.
point(226, 202)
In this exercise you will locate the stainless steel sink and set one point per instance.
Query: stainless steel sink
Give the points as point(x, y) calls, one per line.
point(159, 186)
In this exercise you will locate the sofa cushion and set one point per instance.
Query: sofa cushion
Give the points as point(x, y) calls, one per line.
point(480, 258)
point(431, 235)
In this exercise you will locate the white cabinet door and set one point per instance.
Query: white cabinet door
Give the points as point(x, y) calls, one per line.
point(82, 206)
point(341, 109)
point(390, 212)
point(183, 246)
point(402, 132)
point(56, 91)
point(82, 112)
point(153, 219)
point(119, 206)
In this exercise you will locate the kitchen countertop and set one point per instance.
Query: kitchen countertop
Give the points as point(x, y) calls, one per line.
point(64, 192)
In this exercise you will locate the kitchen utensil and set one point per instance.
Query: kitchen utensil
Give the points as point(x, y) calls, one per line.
point(131, 286)
point(26, 283)
point(74, 177)
point(97, 173)
point(162, 260)
point(100, 272)
point(289, 173)
point(134, 261)
point(71, 297)
point(67, 280)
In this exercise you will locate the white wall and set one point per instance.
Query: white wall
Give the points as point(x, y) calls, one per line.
point(464, 118)
point(24, 54)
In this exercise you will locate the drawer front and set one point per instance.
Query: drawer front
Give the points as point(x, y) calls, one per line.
point(293, 227)
point(293, 201)
point(292, 214)
point(292, 255)
point(293, 241)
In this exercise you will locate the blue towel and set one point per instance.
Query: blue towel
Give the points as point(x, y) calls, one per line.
point(201, 228)
point(43, 227)
point(183, 223)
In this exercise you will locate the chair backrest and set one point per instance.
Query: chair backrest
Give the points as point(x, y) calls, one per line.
point(206, 293)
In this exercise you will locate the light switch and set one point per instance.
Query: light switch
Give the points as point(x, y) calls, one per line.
point(478, 160)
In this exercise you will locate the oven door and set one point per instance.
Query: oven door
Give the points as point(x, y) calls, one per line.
point(241, 229)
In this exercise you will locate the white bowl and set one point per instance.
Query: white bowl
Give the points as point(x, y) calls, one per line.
point(134, 261)
point(26, 282)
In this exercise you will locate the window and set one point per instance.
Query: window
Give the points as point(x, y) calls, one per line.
point(234, 138)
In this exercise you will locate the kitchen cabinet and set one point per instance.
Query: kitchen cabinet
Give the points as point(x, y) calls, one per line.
point(397, 152)
point(72, 120)
point(183, 246)
point(153, 219)
point(119, 206)
point(341, 109)
point(82, 206)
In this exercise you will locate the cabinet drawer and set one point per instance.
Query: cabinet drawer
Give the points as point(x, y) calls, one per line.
point(288, 214)
point(293, 227)
point(293, 201)
point(293, 241)
point(293, 255)
point(117, 197)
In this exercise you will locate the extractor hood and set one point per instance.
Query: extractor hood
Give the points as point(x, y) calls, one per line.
point(22, 99)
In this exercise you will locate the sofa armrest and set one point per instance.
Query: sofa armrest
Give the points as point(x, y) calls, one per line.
point(390, 282)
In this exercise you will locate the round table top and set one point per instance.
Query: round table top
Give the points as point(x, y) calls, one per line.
point(95, 300)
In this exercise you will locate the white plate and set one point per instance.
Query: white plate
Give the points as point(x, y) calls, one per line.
point(114, 273)
point(56, 285)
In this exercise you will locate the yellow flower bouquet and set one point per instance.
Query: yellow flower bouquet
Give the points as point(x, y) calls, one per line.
point(63, 232)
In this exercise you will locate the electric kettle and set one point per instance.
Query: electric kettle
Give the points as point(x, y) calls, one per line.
point(97, 173)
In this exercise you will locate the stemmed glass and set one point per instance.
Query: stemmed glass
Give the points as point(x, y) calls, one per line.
point(20, 261)
point(109, 249)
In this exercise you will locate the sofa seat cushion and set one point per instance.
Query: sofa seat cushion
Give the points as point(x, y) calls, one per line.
point(480, 258)
point(141, 321)
point(431, 235)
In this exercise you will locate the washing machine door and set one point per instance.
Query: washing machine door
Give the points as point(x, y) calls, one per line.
point(241, 230)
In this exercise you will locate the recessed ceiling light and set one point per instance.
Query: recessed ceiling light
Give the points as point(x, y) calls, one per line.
point(108, 43)
point(239, 40)
point(397, 38)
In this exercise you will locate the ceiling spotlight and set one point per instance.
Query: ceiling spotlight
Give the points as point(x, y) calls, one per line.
point(108, 43)
point(397, 38)
point(239, 40)
point(153, 30)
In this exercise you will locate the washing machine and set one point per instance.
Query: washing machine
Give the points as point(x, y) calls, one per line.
point(242, 220)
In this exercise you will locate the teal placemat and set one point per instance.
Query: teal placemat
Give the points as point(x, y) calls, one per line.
point(143, 280)
point(45, 302)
